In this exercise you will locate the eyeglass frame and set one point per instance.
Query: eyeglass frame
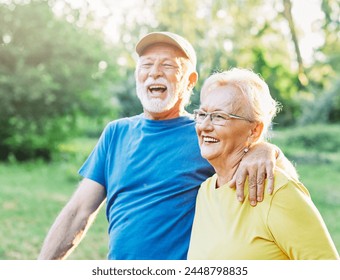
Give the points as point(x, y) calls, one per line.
point(212, 115)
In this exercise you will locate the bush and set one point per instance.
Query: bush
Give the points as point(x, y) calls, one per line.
point(324, 109)
point(312, 138)
point(312, 144)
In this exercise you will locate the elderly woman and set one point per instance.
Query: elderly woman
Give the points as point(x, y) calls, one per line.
point(236, 111)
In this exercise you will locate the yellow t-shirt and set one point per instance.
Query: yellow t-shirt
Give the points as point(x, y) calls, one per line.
point(285, 225)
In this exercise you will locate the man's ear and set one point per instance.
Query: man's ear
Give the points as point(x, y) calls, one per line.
point(256, 131)
point(192, 80)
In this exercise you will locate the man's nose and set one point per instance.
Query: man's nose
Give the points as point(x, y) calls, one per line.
point(155, 71)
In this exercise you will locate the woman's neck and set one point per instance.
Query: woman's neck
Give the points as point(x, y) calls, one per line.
point(225, 168)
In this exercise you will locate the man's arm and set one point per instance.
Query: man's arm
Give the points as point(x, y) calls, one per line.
point(258, 164)
point(285, 164)
point(73, 221)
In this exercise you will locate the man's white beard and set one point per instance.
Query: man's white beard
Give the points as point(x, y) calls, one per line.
point(156, 105)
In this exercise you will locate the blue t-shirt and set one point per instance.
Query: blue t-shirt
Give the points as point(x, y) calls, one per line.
point(151, 171)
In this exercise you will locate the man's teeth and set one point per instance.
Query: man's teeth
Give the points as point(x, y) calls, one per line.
point(210, 139)
point(157, 88)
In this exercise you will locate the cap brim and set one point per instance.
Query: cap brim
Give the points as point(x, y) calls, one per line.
point(154, 38)
point(167, 38)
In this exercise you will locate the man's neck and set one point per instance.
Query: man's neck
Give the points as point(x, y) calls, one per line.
point(165, 115)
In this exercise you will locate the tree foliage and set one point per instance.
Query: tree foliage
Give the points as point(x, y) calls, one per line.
point(249, 34)
point(53, 69)
point(225, 37)
point(321, 102)
point(50, 72)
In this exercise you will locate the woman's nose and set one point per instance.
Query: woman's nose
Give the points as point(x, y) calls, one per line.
point(206, 124)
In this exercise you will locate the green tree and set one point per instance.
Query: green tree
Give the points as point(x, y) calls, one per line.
point(51, 71)
point(243, 33)
point(287, 13)
point(227, 34)
point(322, 103)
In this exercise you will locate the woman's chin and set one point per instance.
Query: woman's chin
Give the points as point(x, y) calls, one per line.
point(208, 155)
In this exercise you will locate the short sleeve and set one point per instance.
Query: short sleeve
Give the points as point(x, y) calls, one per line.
point(95, 165)
point(297, 226)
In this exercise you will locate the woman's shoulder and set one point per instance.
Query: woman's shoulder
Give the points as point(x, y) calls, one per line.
point(284, 181)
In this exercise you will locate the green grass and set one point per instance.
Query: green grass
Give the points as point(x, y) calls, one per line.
point(315, 152)
point(32, 194)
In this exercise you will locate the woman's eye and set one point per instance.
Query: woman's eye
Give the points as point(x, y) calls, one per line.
point(219, 117)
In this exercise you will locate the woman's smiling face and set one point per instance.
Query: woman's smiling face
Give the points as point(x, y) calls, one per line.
point(217, 142)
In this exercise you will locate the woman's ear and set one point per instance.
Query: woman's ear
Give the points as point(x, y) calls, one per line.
point(256, 132)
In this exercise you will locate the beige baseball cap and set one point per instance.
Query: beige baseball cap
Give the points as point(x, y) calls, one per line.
point(167, 38)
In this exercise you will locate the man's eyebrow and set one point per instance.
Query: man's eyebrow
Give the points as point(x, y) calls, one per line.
point(145, 57)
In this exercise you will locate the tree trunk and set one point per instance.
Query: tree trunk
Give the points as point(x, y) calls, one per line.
point(288, 15)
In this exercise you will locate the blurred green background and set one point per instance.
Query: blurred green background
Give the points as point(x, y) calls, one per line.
point(67, 68)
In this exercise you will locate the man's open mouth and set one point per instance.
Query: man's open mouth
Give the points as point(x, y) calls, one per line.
point(157, 88)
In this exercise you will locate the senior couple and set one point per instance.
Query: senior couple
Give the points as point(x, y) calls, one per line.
point(177, 186)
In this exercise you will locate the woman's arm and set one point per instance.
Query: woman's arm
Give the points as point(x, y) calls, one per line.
point(297, 226)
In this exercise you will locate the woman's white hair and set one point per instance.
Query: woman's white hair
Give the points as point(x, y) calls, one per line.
point(260, 107)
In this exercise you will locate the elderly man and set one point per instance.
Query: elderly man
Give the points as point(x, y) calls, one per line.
point(148, 167)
